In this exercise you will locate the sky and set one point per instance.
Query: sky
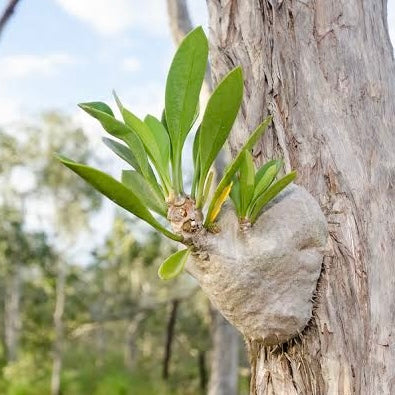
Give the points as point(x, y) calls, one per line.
point(68, 51)
point(57, 53)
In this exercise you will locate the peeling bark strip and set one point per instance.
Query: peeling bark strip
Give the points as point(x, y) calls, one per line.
point(325, 71)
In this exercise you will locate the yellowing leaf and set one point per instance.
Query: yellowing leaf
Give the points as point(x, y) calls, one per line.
point(218, 204)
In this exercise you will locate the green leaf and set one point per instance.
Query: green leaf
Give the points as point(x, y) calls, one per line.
point(122, 151)
point(123, 132)
point(183, 85)
point(173, 265)
point(266, 180)
point(262, 170)
point(271, 193)
point(247, 182)
point(207, 186)
point(163, 120)
point(151, 144)
point(235, 164)
point(127, 155)
point(196, 164)
point(97, 105)
point(218, 119)
point(195, 150)
point(162, 139)
point(235, 195)
point(144, 192)
point(117, 192)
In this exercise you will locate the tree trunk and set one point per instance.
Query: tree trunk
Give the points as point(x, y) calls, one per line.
point(169, 338)
point(58, 322)
point(225, 357)
point(12, 322)
point(325, 71)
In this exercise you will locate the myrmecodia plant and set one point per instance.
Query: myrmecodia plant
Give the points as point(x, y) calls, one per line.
point(153, 148)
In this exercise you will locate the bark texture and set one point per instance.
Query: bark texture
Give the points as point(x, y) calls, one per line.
point(325, 71)
point(224, 358)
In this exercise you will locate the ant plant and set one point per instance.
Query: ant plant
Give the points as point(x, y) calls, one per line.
point(153, 148)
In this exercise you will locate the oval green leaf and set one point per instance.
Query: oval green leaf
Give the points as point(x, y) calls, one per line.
point(183, 86)
point(218, 119)
point(173, 265)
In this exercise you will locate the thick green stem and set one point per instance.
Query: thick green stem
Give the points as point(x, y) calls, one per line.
point(177, 174)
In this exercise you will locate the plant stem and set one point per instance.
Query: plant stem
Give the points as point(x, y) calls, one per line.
point(177, 173)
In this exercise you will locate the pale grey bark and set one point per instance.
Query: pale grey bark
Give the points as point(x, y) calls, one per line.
point(58, 323)
point(224, 357)
point(325, 71)
point(12, 321)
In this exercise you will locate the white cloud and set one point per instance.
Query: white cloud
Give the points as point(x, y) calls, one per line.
point(25, 65)
point(10, 111)
point(131, 64)
point(115, 16)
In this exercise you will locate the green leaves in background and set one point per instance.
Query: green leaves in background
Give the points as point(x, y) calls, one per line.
point(173, 265)
point(233, 167)
point(183, 86)
point(118, 193)
point(218, 119)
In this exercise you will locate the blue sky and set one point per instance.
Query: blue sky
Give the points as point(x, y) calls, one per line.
point(67, 51)
point(57, 53)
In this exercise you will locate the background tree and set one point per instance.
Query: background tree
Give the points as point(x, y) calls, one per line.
point(72, 203)
point(314, 67)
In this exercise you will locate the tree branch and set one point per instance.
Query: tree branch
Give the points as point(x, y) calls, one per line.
point(180, 26)
point(9, 10)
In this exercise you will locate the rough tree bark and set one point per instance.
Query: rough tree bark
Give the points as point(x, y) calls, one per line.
point(325, 71)
point(224, 358)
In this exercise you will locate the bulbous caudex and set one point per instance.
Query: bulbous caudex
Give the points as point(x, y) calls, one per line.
point(263, 278)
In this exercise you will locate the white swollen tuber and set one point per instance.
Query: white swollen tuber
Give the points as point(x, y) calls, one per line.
point(263, 279)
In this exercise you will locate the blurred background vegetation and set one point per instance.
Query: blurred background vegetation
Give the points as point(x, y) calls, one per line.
point(109, 326)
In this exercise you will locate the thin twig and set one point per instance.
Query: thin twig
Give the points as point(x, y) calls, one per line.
point(9, 10)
